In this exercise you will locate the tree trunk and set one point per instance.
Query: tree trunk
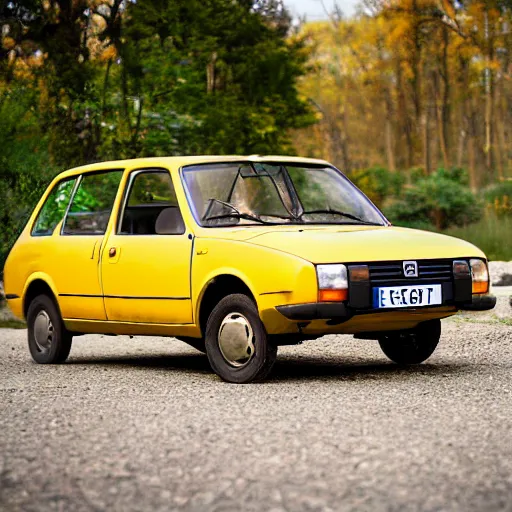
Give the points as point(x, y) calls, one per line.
point(346, 153)
point(440, 121)
point(390, 153)
point(499, 130)
point(427, 158)
point(445, 124)
point(473, 180)
point(489, 98)
point(403, 117)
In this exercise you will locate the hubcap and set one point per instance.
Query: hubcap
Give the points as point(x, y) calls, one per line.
point(236, 339)
point(43, 331)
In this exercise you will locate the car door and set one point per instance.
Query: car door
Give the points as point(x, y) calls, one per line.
point(145, 266)
point(74, 261)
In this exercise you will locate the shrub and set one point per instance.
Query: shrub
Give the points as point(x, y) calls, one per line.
point(455, 174)
point(441, 200)
point(499, 198)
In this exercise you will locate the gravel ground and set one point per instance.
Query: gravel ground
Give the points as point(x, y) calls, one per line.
point(501, 273)
point(142, 424)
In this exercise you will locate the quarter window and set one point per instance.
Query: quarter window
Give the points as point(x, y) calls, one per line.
point(151, 207)
point(54, 208)
point(92, 204)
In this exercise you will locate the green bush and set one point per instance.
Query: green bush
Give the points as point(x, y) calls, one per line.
point(458, 175)
point(454, 174)
point(440, 200)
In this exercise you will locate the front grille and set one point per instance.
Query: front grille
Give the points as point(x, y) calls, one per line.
point(391, 273)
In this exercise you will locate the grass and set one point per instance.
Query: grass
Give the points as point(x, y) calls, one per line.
point(463, 317)
point(12, 324)
point(492, 234)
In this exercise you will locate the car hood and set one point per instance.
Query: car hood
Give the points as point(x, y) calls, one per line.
point(364, 243)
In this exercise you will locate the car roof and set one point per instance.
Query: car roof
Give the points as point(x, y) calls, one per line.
point(175, 162)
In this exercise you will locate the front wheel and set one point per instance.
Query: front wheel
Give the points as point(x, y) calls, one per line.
point(49, 342)
point(236, 342)
point(414, 346)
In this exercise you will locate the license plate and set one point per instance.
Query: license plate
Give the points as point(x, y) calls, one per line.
point(407, 296)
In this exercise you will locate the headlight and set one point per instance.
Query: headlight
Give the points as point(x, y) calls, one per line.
point(479, 275)
point(332, 283)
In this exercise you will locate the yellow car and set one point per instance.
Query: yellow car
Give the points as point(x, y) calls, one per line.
point(235, 256)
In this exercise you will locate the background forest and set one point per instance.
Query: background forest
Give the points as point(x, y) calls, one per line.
point(411, 98)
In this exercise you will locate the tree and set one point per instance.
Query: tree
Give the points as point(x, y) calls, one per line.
point(426, 82)
point(107, 79)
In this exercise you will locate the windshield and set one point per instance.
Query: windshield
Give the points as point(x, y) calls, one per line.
point(263, 193)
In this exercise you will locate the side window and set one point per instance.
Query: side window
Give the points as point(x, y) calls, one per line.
point(54, 208)
point(92, 203)
point(151, 206)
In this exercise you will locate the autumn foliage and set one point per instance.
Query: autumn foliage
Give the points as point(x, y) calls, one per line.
point(413, 83)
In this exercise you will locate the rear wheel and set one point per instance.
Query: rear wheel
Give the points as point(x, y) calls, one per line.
point(236, 341)
point(48, 340)
point(413, 346)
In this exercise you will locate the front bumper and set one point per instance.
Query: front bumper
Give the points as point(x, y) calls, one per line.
point(317, 311)
point(456, 293)
point(335, 313)
point(339, 312)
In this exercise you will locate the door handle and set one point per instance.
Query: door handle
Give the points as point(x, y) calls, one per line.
point(112, 252)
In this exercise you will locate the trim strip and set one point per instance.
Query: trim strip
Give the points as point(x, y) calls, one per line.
point(272, 293)
point(120, 297)
point(79, 295)
point(122, 322)
point(10, 296)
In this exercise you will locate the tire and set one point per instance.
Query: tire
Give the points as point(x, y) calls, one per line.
point(236, 341)
point(197, 343)
point(48, 340)
point(414, 346)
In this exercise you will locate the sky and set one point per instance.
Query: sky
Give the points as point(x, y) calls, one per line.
point(313, 8)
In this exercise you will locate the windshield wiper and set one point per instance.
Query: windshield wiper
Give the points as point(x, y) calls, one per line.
point(236, 213)
point(337, 212)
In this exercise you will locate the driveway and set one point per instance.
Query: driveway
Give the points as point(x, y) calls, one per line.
point(143, 424)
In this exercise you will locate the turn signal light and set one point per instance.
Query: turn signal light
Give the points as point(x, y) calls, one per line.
point(480, 276)
point(332, 295)
point(359, 273)
point(480, 287)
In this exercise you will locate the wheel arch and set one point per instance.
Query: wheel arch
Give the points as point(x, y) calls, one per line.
point(38, 284)
point(215, 289)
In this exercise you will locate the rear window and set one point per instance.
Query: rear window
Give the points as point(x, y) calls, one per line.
point(92, 204)
point(54, 208)
point(152, 187)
